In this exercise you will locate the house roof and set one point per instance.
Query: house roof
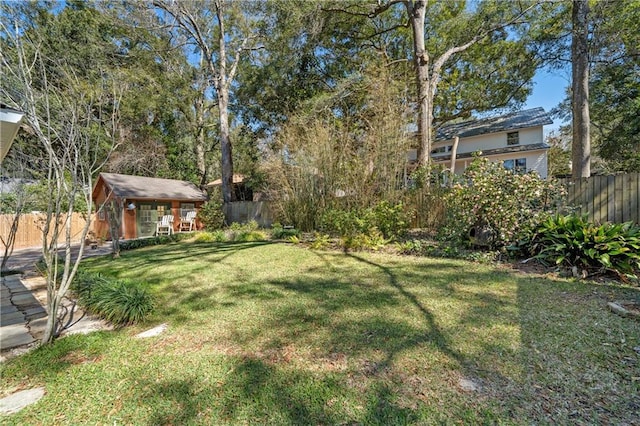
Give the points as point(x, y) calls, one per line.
point(516, 120)
point(496, 151)
point(237, 178)
point(149, 188)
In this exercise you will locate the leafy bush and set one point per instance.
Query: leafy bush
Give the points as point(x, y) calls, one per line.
point(391, 220)
point(503, 204)
point(211, 215)
point(248, 236)
point(573, 241)
point(119, 302)
point(374, 240)
point(320, 241)
point(154, 241)
point(279, 232)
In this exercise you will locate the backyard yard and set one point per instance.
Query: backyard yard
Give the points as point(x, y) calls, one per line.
point(274, 333)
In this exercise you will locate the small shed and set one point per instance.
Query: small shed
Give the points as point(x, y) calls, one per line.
point(142, 202)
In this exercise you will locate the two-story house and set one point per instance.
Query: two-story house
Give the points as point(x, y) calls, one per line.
point(515, 139)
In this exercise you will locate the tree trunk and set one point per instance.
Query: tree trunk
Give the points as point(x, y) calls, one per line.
point(581, 144)
point(454, 155)
point(225, 146)
point(416, 11)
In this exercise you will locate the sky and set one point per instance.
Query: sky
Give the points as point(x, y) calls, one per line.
point(548, 91)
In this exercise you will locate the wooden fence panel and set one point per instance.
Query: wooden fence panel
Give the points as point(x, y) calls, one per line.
point(606, 198)
point(245, 211)
point(30, 226)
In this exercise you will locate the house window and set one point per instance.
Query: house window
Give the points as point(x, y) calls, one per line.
point(513, 138)
point(102, 214)
point(441, 149)
point(519, 165)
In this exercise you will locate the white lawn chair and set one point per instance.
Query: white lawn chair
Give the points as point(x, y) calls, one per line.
point(165, 225)
point(188, 223)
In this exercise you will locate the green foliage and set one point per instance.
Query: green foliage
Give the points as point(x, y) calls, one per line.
point(372, 240)
point(119, 302)
point(154, 241)
point(246, 232)
point(573, 241)
point(279, 232)
point(391, 220)
point(495, 199)
point(320, 241)
point(210, 237)
point(211, 215)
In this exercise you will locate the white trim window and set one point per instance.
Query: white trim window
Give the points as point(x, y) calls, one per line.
point(513, 138)
point(518, 165)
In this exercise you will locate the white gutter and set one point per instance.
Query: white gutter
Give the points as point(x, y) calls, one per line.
point(10, 120)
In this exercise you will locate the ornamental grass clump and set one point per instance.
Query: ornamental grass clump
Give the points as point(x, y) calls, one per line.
point(503, 204)
point(118, 302)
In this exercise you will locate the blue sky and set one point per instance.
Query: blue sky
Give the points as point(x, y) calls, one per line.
point(548, 91)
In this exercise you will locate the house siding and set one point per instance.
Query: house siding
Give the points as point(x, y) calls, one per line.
point(536, 159)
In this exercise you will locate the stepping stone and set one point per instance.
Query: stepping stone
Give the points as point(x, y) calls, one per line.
point(19, 400)
point(152, 332)
point(14, 335)
point(35, 314)
point(9, 310)
point(23, 299)
point(11, 319)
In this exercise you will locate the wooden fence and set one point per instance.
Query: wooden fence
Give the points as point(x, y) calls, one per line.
point(245, 211)
point(29, 232)
point(606, 198)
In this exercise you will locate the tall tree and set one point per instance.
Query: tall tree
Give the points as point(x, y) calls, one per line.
point(222, 32)
point(581, 144)
point(442, 33)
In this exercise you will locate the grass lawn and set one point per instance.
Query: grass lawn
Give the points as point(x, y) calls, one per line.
point(263, 333)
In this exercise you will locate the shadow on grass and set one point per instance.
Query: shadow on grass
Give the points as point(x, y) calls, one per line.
point(257, 392)
point(47, 361)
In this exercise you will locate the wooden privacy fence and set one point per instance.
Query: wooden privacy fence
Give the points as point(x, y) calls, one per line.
point(606, 198)
point(30, 228)
point(245, 211)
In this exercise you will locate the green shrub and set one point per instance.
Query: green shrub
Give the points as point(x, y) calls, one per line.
point(504, 204)
point(573, 241)
point(279, 232)
point(154, 241)
point(248, 236)
point(391, 220)
point(211, 215)
point(374, 240)
point(119, 302)
point(320, 241)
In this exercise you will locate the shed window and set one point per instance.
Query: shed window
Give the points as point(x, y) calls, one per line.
point(102, 214)
point(513, 138)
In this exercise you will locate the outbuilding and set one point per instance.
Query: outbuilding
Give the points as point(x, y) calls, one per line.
point(140, 203)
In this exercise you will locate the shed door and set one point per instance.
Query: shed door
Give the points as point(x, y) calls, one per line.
point(147, 217)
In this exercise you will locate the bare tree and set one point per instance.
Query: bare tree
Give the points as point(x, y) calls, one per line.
point(205, 25)
point(18, 202)
point(77, 129)
point(581, 145)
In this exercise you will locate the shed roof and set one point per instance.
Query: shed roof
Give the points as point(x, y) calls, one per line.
point(513, 121)
point(237, 178)
point(149, 188)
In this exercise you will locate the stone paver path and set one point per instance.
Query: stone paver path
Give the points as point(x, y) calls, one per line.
point(19, 311)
